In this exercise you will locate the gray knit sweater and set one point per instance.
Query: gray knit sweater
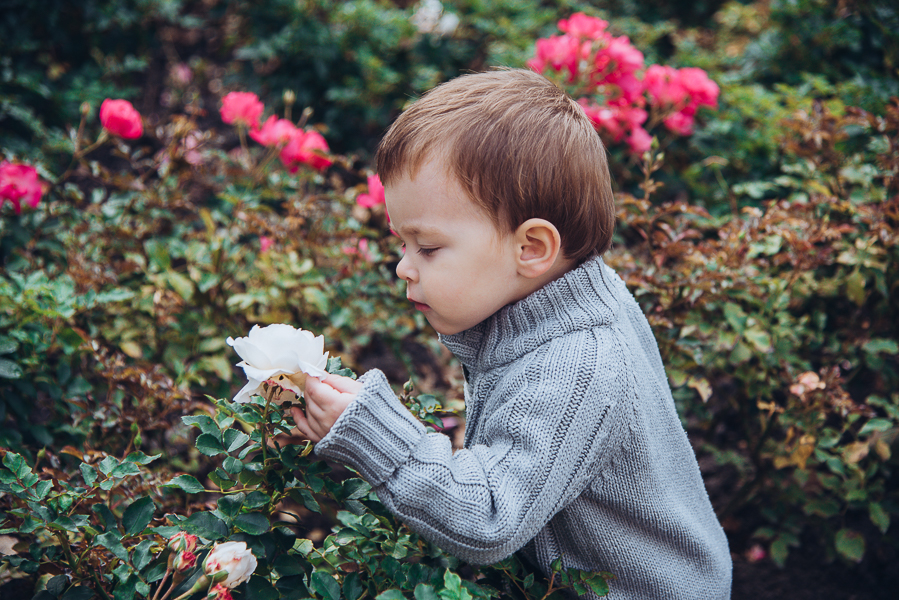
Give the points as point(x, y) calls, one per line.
point(573, 448)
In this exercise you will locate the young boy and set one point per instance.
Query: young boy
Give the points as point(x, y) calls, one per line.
point(498, 186)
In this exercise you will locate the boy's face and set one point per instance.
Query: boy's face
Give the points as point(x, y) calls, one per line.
point(459, 268)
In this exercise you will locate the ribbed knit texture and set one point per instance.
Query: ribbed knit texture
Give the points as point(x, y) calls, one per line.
point(573, 448)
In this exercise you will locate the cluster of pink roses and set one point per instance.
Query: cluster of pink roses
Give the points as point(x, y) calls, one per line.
point(612, 70)
point(297, 146)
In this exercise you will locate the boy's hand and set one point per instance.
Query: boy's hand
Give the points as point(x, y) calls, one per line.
point(326, 399)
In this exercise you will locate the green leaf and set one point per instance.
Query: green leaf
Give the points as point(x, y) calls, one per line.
point(253, 523)
point(234, 439)
point(9, 369)
point(42, 488)
point(79, 592)
point(232, 465)
point(141, 458)
point(880, 345)
point(356, 488)
point(108, 464)
point(325, 585)
point(57, 584)
point(353, 588)
point(142, 556)
point(112, 541)
point(231, 504)
point(759, 338)
point(597, 583)
point(453, 589)
point(209, 445)
point(205, 524)
point(89, 473)
point(876, 424)
point(260, 588)
point(188, 483)
point(423, 591)
point(138, 515)
point(391, 594)
point(106, 515)
point(8, 346)
point(850, 544)
point(16, 464)
point(204, 422)
point(879, 516)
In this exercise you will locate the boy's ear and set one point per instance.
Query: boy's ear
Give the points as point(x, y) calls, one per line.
point(538, 245)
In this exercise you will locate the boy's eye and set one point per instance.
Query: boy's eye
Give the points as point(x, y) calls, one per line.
point(427, 251)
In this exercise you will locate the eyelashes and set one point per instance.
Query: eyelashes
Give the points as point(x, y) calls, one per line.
point(427, 251)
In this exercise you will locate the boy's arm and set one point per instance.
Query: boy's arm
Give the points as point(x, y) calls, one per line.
point(546, 439)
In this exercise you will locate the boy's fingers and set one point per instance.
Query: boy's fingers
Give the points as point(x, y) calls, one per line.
point(303, 425)
point(343, 384)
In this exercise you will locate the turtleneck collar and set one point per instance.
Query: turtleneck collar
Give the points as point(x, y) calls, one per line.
point(583, 298)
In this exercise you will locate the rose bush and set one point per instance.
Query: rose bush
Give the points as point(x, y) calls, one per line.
point(281, 354)
point(120, 118)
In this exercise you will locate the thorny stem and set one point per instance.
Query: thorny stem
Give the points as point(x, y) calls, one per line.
point(268, 403)
point(162, 583)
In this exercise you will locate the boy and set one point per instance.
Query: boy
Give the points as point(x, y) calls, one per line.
point(498, 186)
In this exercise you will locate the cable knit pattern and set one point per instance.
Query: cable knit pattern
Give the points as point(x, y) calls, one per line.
point(573, 448)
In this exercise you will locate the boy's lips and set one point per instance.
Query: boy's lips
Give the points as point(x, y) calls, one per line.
point(418, 305)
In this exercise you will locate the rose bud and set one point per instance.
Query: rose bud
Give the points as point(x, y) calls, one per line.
point(185, 561)
point(230, 563)
point(219, 592)
point(183, 542)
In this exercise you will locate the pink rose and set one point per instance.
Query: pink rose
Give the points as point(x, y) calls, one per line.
point(219, 592)
point(581, 26)
point(18, 182)
point(274, 132)
point(702, 90)
point(265, 243)
point(307, 147)
point(183, 542)
point(184, 561)
point(680, 123)
point(119, 117)
point(639, 140)
point(375, 193)
point(242, 108)
point(664, 86)
point(559, 52)
point(229, 564)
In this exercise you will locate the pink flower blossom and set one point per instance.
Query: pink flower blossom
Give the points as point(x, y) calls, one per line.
point(680, 123)
point(18, 182)
point(184, 561)
point(181, 74)
point(119, 117)
point(702, 90)
point(375, 193)
point(756, 553)
point(274, 132)
point(265, 243)
point(559, 52)
point(639, 140)
point(242, 108)
point(362, 249)
point(581, 26)
point(306, 147)
point(219, 592)
point(664, 86)
point(183, 542)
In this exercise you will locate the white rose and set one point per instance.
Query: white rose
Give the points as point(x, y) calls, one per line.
point(232, 558)
point(280, 353)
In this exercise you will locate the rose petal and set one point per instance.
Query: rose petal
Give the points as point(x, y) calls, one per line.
point(253, 388)
point(251, 353)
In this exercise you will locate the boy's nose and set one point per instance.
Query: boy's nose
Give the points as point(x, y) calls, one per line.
point(404, 269)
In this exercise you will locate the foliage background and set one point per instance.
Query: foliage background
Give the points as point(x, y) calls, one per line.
point(763, 247)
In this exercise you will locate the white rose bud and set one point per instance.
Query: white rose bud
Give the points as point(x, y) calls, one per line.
point(233, 559)
point(279, 353)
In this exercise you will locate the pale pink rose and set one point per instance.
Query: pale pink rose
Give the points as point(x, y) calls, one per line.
point(242, 108)
point(183, 542)
point(233, 559)
point(581, 26)
point(756, 553)
point(278, 353)
point(120, 118)
point(181, 74)
point(306, 147)
point(274, 132)
point(375, 193)
point(639, 140)
point(265, 243)
point(19, 182)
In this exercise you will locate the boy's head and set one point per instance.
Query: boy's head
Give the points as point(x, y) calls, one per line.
point(519, 147)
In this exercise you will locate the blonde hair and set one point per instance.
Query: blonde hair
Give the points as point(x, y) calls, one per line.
point(519, 147)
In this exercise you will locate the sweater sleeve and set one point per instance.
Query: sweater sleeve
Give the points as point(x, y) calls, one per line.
point(547, 423)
